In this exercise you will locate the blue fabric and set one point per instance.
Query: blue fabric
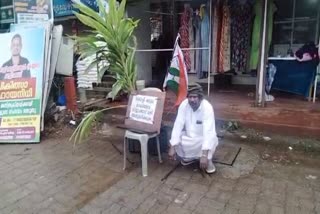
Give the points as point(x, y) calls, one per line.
point(62, 100)
point(205, 42)
point(271, 72)
point(293, 76)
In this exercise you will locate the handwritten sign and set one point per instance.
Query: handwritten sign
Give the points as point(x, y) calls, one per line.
point(144, 112)
point(143, 108)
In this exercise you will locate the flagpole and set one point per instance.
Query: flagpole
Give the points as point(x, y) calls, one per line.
point(210, 41)
point(175, 44)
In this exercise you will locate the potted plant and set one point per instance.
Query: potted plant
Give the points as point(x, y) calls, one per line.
point(112, 40)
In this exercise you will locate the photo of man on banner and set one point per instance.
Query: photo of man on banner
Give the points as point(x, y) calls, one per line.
point(17, 63)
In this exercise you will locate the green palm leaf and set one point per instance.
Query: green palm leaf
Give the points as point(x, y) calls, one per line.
point(85, 127)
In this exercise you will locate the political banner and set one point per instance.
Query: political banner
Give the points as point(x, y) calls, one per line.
point(21, 85)
point(32, 11)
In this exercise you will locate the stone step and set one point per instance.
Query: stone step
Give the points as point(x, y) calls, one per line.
point(107, 78)
point(97, 92)
point(107, 84)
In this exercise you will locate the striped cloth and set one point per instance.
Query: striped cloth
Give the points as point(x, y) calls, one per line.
point(225, 43)
point(184, 33)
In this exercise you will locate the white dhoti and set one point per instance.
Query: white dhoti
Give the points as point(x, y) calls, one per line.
point(191, 148)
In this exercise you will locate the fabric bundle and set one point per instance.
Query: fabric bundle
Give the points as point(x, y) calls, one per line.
point(308, 52)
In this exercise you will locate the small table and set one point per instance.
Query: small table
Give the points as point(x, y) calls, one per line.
point(293, 76)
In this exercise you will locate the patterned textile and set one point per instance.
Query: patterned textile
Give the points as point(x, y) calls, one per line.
point(225, 46)
point(197, 27)
point(192, 42)
point(214, 27)
point(184, 33)
point(240, 34)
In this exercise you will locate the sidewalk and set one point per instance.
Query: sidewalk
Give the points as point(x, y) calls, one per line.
point(48, 178)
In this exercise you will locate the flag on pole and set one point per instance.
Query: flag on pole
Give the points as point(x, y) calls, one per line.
point(177, 78)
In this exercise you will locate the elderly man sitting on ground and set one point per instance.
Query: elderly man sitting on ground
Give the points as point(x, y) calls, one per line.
point(194, 136)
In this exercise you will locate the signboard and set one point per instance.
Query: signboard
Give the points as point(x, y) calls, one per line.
point(21, 79)
point(144, 112)
point(143, 108)
point(6, 14)
point(31, 11)
point(62, 8)
point(5, 3)
point(93, 4)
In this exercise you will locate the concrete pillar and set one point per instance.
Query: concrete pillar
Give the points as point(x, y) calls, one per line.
point(143, 35)
point(260, 87)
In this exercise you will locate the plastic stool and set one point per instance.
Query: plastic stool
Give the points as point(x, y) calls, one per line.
point(143, 139)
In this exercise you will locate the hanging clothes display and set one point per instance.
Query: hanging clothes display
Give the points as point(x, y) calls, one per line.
point(240, 34)
point(205, 26)
point(225, 41)
point(230, 27)
point(257, 27)
point(184, 33)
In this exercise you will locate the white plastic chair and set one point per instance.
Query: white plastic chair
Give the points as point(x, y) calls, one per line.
point(143, 140)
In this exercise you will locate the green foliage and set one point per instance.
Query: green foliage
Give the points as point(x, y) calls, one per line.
point(84, 128)
point(112, 40)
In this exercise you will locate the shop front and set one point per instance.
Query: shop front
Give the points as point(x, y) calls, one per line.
point(229, 47)
point(223, 38)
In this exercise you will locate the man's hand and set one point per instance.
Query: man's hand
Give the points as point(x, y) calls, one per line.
point(172, 153)
point(203, 162)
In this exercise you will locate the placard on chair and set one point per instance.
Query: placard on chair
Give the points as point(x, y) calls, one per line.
point(144, 112)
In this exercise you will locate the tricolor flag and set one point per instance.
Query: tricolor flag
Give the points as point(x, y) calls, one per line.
point(177, 78)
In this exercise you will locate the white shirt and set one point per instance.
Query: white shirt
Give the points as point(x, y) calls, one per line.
point(195, 130)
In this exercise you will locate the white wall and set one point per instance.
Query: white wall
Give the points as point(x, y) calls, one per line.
point(143, 34)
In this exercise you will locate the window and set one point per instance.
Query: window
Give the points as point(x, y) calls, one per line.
point(284, 10)
point(296, 22)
